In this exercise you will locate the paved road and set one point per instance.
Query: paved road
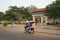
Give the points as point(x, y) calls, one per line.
point(6, 35)
point(19, 34)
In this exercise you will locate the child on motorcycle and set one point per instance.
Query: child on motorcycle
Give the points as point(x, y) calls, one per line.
point(32, 27)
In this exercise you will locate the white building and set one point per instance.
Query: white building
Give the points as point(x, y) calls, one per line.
point(40, 17)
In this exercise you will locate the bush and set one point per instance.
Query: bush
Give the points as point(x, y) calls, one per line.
point(5, 24)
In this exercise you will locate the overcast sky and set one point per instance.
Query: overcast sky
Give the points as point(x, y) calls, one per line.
point(4, 4)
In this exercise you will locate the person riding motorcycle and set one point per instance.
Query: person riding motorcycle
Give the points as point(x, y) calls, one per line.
point(30, 27)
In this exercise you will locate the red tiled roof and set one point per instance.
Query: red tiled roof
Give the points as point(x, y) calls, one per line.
point(39, 10)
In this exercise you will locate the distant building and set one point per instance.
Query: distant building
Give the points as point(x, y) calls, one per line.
point(40, 17)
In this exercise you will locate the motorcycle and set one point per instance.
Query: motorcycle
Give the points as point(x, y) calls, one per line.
point(29, 30)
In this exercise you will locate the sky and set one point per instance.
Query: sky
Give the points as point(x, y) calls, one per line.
point(4, 4)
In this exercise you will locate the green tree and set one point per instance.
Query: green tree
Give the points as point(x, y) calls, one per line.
point(19, 13)
point(13, 13)
point(1, 16)
point(32, 7)
point(53, 10)
point(9, 16)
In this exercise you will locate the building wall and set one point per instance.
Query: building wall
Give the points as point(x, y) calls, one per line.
point(49, 20)
point(38, 14)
